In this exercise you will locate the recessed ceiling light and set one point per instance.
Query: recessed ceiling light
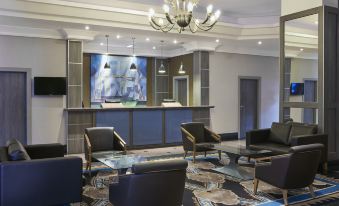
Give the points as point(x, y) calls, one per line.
point(101, 44)
point(129, 46)
point(259, 42)
point(118, 36)
point(147, 39)
point(217, 40)
point(175, 41)
point(154, 48)
point(301, 49)
point(87, 27)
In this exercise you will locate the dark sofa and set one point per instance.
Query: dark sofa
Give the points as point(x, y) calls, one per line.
point(282, 136)
point(47, 178)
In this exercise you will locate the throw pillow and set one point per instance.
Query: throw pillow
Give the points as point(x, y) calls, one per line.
point(280, 133)
point(16, 151)
point(298, 130)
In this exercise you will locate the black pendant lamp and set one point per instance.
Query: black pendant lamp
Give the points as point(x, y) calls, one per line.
point(162, 68)
point(133, 67)
point(107, 66)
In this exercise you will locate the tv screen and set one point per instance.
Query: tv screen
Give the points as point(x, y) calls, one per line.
point(50, 85)
point(297, 89)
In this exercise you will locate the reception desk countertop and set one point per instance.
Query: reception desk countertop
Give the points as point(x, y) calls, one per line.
point(137, 108)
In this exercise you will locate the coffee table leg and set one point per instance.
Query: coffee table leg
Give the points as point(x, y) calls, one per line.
point(233, 169)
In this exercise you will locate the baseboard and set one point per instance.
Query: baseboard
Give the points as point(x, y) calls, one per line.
point(229, 136)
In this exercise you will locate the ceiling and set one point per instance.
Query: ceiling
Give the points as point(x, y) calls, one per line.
point(243, 25)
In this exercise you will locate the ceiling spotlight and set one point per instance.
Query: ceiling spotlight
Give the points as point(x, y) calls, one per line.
point(129, 46)
point(118, 36)
point(87, 27)
point(217, 40)
point(101, 44)
point(259, 42)
point(147, 39)
point(301, 49)
point(154, 48)
point(175, 41)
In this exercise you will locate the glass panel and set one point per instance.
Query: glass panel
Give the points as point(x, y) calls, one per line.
point(301, 59)
point(302, 115)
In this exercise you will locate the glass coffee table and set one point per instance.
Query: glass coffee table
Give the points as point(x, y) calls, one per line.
point(118, 161)
point(234, 152)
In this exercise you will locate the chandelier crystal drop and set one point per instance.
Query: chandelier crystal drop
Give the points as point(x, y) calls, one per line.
point(179, 14)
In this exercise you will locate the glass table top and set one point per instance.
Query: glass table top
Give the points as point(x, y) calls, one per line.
point(116, 160)
point(236, 149)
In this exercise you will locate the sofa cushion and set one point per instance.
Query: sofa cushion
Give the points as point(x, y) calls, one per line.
point(301, 129)
point(280, 133)
point(16, 151)
point(274, 147)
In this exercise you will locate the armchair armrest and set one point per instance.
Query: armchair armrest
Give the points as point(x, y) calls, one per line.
point(87, 148)
point(257, 136)
point(56, 181)
point(119, 143)
point(211, 136)
point(312, 139)
point(188, 140)
point(42, 151)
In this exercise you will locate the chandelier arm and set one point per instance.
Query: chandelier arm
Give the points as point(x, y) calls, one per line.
point(204, 27)
point(158, 26)
point(208, 16)
point(154, 27)
point(169, 19)
point(192, 30)
point(154, 22)
point(167, 29)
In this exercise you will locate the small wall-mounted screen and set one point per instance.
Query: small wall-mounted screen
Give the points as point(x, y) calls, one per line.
point(297, 89)
point(50, 86)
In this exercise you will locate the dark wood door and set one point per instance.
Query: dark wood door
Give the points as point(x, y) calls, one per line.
point(248, 105)
point(310, 95)
point(13, 118)
point(182, 91)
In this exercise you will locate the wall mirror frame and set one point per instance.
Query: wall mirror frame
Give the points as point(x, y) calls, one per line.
point(318, 103)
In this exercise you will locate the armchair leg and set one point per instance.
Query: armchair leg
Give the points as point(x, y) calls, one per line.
point(219, 155)
point(325, 168)
point(311, 191)
point(285, 197)
point(193, 156)
point(185, 155)
point(205, 153)
point(256, 183)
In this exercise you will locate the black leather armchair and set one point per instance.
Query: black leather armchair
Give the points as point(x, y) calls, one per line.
point(99, 139)
point(151, 184)
point(48, 178)
point(195, 135)
point(291, 171)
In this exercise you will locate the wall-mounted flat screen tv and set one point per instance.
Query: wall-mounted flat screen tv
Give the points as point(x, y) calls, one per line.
point(297, 89)
point(50, 85)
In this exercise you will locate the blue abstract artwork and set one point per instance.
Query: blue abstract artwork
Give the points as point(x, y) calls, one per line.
point(118, 82)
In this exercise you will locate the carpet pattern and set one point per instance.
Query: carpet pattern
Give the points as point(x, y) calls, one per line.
point(205, 187)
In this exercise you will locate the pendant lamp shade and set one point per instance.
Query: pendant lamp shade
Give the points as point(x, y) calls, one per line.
point(133, 67)
point(107, 66)
point(162, 68)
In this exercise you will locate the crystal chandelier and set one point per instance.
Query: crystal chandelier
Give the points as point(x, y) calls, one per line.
point(180, 13)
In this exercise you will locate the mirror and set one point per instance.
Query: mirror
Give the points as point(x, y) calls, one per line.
point(301, 59)
point(302, 115)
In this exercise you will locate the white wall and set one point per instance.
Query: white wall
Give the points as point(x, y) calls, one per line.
point(46, 57)
point(225, 69)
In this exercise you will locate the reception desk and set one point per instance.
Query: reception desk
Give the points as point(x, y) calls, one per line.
point(141, 127)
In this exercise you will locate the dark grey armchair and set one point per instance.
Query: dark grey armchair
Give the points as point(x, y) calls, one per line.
point(291, 171)
point(195, 136)
point(100, 139)
point(151, 184)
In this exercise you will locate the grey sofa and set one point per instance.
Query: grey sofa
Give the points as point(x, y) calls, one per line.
point(151, 184)
point(45, 178)
point(292, 171)
point(282, 136)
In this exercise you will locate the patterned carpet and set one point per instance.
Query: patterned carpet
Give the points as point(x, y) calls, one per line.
point(204, 187)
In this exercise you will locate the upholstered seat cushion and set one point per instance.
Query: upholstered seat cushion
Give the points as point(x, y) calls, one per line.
point(274, 147)
point(280, 133)
point(101, 138)
point(16, 151)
